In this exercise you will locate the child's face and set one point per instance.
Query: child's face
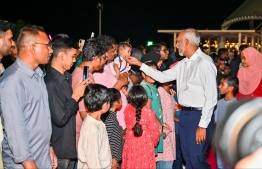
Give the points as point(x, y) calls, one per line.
point(227, 70)
point(105, 107)
point(221, 65)
point(149, 79)
point(125, 52)
point(223, 87)
point(118, 103)
point(168, 84)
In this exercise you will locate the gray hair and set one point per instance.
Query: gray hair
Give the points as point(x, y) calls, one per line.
point(192, 35)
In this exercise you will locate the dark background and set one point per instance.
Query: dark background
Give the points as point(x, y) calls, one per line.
point(138, 20)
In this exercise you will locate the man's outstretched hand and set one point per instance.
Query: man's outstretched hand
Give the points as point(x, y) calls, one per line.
point(134, 61)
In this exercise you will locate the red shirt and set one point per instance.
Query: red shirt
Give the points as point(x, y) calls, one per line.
point(255, 93)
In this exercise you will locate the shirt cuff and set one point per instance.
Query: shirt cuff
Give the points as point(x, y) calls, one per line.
point(72, 103)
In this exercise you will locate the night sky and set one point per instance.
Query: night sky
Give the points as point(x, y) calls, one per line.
point(137, 20)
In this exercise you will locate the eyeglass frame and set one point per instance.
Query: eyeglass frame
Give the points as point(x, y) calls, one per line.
point(164, 50)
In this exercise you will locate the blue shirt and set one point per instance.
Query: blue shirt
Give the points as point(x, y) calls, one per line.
point(25, 117)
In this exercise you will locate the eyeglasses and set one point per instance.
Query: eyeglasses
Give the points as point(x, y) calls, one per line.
point(164, 50)
point(46, 44)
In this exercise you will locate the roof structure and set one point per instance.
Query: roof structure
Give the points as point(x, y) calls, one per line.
point(250, 10)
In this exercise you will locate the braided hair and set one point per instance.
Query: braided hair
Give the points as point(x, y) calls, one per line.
point(138, 98)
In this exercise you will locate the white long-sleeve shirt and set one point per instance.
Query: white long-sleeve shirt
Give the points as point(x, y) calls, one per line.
point(196, 83)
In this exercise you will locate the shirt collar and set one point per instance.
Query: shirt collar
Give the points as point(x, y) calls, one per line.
point(60, 77)
point(194, 56)
point(27, 70)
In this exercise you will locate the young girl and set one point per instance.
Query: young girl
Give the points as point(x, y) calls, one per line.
point(142, 133)
point(229, 87)
point(154, 102)
point(166, 159)
point(113, 127)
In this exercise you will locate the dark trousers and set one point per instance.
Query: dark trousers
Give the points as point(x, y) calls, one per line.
point(194, 154)
point(178, 163)
point(66, 164)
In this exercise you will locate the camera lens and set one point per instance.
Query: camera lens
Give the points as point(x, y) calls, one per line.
point(240, 132)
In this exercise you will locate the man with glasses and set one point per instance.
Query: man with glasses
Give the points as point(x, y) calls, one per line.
point(63, 100)
point(106, 78)
point(197, 94)
point(24, 105)
point(93, 55)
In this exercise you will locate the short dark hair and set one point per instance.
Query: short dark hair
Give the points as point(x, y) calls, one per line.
point(5, 26)
point(242, 47)
point(232, 81)
point(221, 51)
point(107, 41)
point(62, 42)
point(95, 96)
point(25, 32)
point(93, 47)
point(114, 95)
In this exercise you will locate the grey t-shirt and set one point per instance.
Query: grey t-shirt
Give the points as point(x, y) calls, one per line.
point(222, 106)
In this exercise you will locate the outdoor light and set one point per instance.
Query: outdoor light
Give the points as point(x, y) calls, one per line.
point(100, 8)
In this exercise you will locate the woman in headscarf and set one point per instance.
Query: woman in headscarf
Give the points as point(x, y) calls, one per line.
point(250, 74)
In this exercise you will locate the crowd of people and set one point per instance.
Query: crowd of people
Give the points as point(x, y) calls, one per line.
point(135, 107)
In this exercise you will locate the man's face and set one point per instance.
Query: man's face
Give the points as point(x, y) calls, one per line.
point(111, 53)
point(6, 43)
point(42, 48)
point(180, 43)
point(99, 63)
point(224, 55)
point(69, 58)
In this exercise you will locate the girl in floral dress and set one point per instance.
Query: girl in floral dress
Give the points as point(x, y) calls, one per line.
point(142, 133)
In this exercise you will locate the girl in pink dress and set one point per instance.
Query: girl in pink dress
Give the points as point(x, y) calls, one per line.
point(142, 133)
point(166, 159)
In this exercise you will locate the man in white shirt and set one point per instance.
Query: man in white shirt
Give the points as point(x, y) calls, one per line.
point(197, 93)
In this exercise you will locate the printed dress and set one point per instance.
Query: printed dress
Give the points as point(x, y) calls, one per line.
point(168, 105)
point(152, 93)
point(138, 152)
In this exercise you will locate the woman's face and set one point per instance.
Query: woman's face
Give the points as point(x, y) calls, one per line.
point(244, 60)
